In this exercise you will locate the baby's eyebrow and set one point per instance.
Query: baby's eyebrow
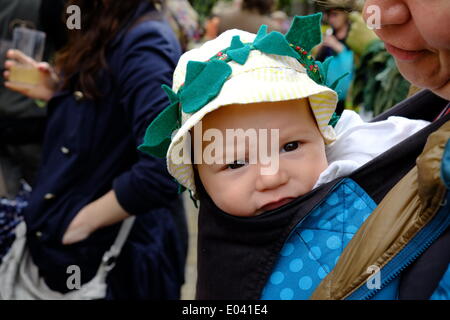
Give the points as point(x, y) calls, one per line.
point(220, 153)
point(296, 132)
point(237, 149)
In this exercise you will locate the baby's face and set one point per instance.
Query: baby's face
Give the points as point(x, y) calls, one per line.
point(239, 187)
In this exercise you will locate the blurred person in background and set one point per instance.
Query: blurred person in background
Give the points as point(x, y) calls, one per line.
point(282, 19)
point(211, 27)
point(248, 15)
point(334, 40)
point(22, 120)
point(334, 46)
point(101, 97)
point(184, 21)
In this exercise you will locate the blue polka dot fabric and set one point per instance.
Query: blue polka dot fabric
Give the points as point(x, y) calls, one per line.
point(11, 214)
point(313, 248)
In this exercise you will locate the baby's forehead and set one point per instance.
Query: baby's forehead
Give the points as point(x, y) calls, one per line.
point(272, 112)
point(291, 117)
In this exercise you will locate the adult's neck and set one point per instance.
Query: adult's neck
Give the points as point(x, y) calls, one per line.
point(443, 92)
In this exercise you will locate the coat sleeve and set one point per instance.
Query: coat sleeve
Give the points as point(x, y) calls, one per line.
point(148, 56)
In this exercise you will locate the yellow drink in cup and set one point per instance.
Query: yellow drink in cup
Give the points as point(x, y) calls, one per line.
point(24, 74)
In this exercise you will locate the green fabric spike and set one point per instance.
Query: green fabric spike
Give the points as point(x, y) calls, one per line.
point(181, 188)
point(334, 120)
point(193, 69)
point(158, 135)
point(238, 51)
point(323, 73)
point(261, 33)
point(336, 82)
point(236, 43)
point(323, 67)
point(275, 43)
point(173, 97)
point(205, 87)
point(305, 31)
point(239, 55)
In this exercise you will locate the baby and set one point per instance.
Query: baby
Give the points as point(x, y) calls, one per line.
point(253, 117)
point(241, 188)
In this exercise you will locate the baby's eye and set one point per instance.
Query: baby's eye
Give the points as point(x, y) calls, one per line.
point(291, 146)
point(236, 164)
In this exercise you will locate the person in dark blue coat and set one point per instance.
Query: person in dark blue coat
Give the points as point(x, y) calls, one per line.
point(92, 176)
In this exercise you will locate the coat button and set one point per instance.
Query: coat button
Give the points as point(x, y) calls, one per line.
point(65, 150)
point(78, 95)
point(49, 196)
point(38, 234)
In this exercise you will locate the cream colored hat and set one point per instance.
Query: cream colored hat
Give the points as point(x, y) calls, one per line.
point(252, 73)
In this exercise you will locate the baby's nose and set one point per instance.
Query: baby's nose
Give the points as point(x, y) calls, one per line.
point(271, 181)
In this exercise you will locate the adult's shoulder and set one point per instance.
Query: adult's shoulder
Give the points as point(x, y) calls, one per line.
point(153, 32)
point(150, 42)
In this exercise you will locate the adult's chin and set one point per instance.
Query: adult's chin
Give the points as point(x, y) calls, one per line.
point(426, 75)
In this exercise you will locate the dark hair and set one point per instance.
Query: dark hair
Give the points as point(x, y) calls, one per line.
point(85, 52)
point(263, 6)
point(52, 22)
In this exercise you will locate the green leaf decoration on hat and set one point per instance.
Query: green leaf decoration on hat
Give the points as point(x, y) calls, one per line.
point(193, 70)
point(270, 43)
point(238, 51)
point(204, 80)
point(191, 98)
point(323, 68)
point(158, 135)
point(273, 43)
point(305, 31)
point(173, 97)
point(334, 120)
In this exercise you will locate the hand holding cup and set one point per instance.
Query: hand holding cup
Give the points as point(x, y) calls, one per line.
point(36, 80)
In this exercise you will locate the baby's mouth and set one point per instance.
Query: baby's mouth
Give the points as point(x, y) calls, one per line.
point(276, 204)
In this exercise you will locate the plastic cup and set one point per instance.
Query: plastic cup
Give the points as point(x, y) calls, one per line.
point(31, 43)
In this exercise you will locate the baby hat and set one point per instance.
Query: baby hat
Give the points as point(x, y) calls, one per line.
point(240, 68)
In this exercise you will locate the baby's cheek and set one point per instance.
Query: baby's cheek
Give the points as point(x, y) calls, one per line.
point(323, 165)
point(314, 166)
point(235, 201)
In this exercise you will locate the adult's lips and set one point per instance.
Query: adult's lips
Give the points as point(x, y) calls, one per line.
point(402, 54)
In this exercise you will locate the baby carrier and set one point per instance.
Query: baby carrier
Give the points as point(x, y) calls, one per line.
point(290, 252)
